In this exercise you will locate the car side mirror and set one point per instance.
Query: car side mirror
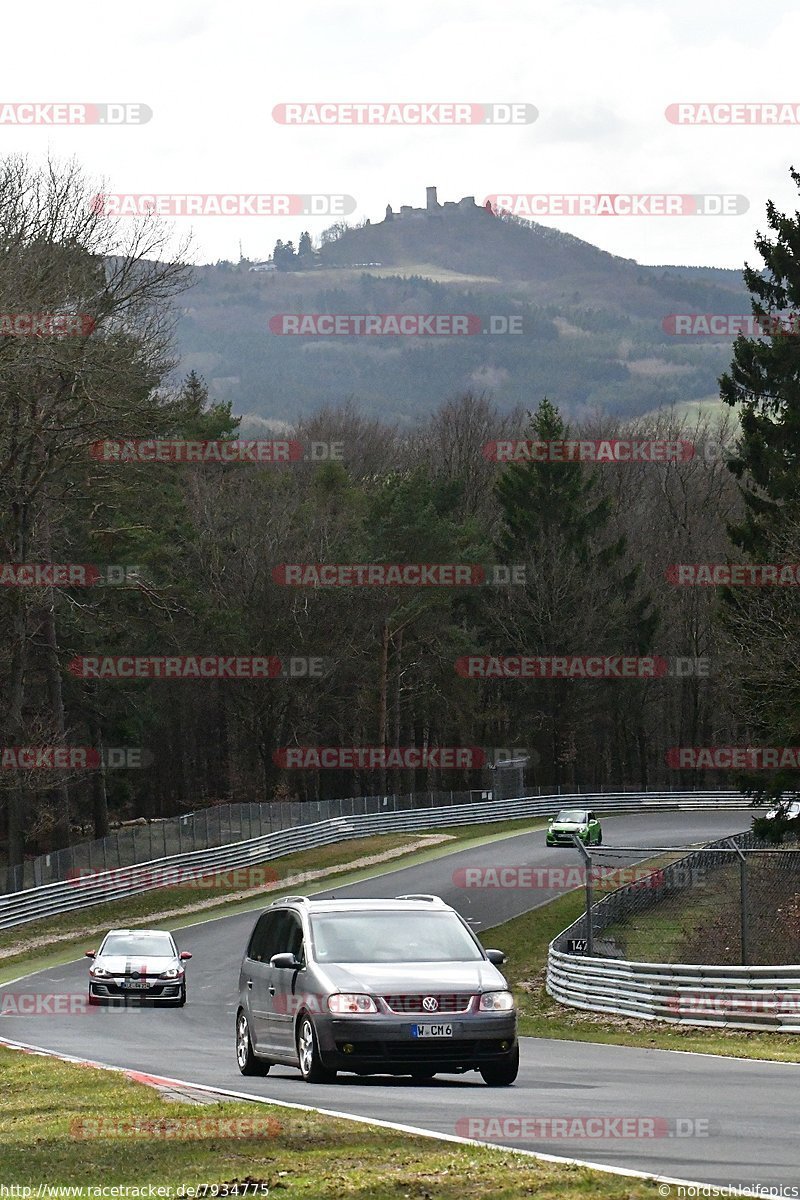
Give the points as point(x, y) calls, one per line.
point(285, 962)
point(496, 957)
point(184, 955)
point(89, 953)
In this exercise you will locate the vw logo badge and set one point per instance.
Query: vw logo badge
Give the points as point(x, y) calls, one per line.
point(430, 1004)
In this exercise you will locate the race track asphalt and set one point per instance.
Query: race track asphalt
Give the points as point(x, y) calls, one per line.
point(738, 1118)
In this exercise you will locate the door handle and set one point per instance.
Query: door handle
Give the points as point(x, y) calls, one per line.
point(250, 984)
point(271, 990)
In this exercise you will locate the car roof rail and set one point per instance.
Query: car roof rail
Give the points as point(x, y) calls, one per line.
point(291, 900)
point(421, 896)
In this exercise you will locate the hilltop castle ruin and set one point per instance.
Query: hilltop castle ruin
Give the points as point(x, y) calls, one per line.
point(434, 209)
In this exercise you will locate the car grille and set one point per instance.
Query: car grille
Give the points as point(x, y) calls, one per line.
point(152, 982)
point(413, 1004)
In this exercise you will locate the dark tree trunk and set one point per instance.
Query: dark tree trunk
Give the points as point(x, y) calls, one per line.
point(99, 794)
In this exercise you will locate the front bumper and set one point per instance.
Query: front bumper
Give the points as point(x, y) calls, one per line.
point(386, 1044)
point(107, 991)
point(559, 838)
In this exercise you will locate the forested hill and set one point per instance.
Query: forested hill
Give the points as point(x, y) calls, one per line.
point(594, 327)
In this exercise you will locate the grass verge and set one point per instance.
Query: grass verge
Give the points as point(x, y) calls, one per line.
point(48, 1107)
point(525, 940)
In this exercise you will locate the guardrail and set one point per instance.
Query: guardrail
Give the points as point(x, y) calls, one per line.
point(742, 997)
point(51, 899)
point(144, 840)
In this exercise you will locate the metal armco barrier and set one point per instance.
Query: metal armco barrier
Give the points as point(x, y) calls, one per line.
point(736, 997)
point(742, 997)
point(33, 904)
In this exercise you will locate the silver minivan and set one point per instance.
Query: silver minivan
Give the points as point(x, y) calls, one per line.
point(399, 987)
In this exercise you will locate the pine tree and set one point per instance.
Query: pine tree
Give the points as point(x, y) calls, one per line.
point(763, 384)
point(540, 501)
point(581, 597)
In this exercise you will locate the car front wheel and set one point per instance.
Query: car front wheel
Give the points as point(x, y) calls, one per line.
point(501, 1074)
point(248, 1063)
point(311, 1065)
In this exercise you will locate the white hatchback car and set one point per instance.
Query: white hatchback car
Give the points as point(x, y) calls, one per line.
point(141, 964)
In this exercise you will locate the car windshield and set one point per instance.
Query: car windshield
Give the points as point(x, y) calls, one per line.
point(136, 944)
point(576, 816)
point(392, 937)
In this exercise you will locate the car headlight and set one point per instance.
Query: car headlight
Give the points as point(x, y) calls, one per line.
point(496, 1002)
point(99, 972)
point(351, 1002)
point(171, 973)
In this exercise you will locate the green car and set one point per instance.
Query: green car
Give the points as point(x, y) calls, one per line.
point(574, 820)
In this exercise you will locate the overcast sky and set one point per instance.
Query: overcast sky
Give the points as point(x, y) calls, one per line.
point(599, 72)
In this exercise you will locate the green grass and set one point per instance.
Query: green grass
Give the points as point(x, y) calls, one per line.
point(693, 410)
point(663, 933)
point(39, 944)
point(525, 940)
point(299, 1155)
point(437, 274)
